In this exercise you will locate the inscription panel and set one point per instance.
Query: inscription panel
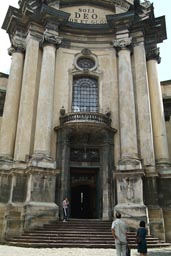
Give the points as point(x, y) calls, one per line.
point(87, 14)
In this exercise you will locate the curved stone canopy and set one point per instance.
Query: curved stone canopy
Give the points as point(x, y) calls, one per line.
point(101, 17)
point(110, 4)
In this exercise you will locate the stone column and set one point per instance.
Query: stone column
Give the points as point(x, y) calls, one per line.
point(43, 132)
point(158, 121)
point(128, 135)
point(106, 213)
point(11, 108)
point(146, 147)
point(28, 100)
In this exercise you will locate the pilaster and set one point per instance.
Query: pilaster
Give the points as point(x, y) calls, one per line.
point(65, 173)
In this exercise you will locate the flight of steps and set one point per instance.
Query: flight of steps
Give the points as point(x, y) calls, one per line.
point(79, 233)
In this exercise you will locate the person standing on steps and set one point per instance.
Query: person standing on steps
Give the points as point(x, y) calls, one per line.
point(141, 238)
point(65, 205)
point(119, 232)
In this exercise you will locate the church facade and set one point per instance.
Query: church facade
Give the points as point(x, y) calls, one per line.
point(84, 116)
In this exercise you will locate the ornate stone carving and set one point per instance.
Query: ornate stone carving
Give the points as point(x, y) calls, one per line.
point(29, 5)
point(146, 4)
point(154, 54)
point(84, 155)
point(86, 51)
point(51, 36)
point(18, 43)
point(51, 2)
point(35, 32)
point(122, 43)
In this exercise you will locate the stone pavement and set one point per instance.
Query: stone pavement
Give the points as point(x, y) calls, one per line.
point(20, 251)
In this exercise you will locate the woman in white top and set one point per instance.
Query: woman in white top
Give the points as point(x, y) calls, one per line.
point(65, 205)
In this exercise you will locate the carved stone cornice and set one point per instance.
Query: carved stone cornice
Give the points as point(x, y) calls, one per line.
point(124, 43)
point(153, 54)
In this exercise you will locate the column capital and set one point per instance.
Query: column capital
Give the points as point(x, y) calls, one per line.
point(13, 49)
point(18, 43)
point(51, 35)
point(153, 54)
point(123, 43)
point(35, 33)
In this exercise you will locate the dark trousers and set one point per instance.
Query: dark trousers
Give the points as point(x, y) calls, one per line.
point(65, 212)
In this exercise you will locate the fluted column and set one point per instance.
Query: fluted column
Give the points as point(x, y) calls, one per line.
point(146, 146)
point(158, 121)
point(11, 108)
point(128, 135)
point(43, 132)
point(28, 100)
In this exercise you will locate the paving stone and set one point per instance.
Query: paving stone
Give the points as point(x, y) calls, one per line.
point(15, 251)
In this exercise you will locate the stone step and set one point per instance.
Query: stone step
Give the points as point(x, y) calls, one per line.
point(78, 245)
point(76, 233)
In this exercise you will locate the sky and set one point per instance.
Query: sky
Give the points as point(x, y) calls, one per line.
point(162, 7)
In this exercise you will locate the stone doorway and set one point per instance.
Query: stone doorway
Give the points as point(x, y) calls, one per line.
point(84, 193)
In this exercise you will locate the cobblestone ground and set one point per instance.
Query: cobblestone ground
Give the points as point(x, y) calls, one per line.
point(19, 251)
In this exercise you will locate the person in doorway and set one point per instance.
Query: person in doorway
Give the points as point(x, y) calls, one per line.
point(65, 205)
point(141, 239)
point(119, 232)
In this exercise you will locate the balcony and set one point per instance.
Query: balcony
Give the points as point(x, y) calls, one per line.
point(86, 118)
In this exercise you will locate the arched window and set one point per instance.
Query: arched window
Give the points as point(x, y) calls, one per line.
point(85, 94)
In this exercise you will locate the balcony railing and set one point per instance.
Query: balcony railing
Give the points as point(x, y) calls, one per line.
point(81, 117)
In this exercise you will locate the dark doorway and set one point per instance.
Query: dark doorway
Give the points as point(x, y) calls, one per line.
point(84, 200)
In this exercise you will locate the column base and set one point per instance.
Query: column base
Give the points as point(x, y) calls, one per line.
point(39, 213)
point(163, 162)
point(129, 164)
point(6, 158)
